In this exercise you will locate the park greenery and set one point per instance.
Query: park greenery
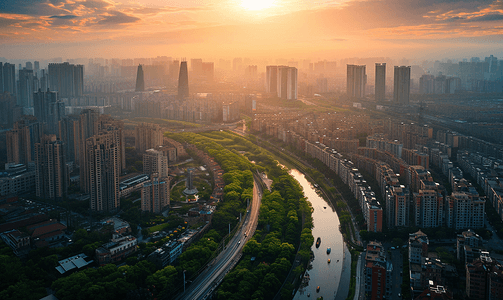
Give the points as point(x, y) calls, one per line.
point(284, 222)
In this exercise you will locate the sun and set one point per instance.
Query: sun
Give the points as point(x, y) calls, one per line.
point(256, 4)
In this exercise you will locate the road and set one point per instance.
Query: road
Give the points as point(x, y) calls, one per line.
point(208, 280)
point(397, 261)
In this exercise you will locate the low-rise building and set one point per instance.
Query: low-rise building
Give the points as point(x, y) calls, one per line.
point(167, 254)
point(117, 249)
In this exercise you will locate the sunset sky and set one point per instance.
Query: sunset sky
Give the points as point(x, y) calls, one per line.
point(420, 29)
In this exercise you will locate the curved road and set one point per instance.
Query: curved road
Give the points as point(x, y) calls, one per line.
point(209, 279)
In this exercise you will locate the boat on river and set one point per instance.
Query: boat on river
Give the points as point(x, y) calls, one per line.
point(317, 289)
point(329, 250)
point(329, 260)
point(318, 242)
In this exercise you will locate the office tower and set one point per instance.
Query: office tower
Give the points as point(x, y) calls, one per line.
point(25, 88)
point(322, 85)
point(356, 81)
point(48, 110)
point(428, 208)
point(147, 136)
point(401, 86)
point(380, 82)
point(155, 161)
point(397, 206)
point(183, 81)
point(196, 66)
point(281, 81)
point(51, 176)
point(36, 68)
point(29, 65)
point(21, 140)
point(208, 70)
point(102, 171)
point(43, 81)
point(9, 78)
point(174, 68)
point(66, 79)
point(69, 134)
point(140, 81)
point(155, 194)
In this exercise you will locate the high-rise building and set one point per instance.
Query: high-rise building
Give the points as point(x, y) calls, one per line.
point(87, 127)
point(401, 88)
point(208, 71)
point(66, 79)
point(8, 78)
point(468, 211)
point(484, 278)
point(196, 66)
point(48, 110)
point(397, 206)
point(183, 81)
point(380, 82)
point(147, 136)
point(9, 111)
point(356, 81)
point(281, 81)
point(102, 172)
point(140, 80)
point(69, 134)
point(155, 161)
point(25, 88)
point(377, 271)
point(51, 172)
point(155, 194)
point(428, 208)
point(21, 140)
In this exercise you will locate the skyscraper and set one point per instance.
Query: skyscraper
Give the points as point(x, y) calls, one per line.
point(87, 127)
point(69, 134)
point(8, 78)
point(140, 81)
point(25, 88)
point(155, 194)
point(183, 81)
point(356, 81)
point(102, 172)
point(401, 87)
point(281, 81)
point(147, 136)
point(66, 79)
point(51, 175)
point(48, 110)
point(380, 82)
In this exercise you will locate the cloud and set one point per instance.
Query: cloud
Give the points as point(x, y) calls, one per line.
point(116, 17)
point(488, 17)
point(65, 17)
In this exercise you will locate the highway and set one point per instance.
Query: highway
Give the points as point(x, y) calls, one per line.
point(210, 278)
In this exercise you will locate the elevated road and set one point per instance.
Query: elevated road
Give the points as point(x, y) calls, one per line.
point(210, 278)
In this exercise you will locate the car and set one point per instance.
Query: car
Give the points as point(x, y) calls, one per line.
point(239, 242)
point(392, 248)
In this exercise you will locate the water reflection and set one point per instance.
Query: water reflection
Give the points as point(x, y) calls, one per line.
point(322, 273)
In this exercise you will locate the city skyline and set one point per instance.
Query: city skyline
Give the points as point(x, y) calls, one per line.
point(228, 28)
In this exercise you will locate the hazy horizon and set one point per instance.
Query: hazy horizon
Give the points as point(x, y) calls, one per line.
point(332, 30)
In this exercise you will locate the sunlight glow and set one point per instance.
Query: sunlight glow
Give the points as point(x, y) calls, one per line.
point(256, 4)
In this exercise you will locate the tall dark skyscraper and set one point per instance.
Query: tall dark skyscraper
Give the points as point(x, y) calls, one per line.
point(48, 110)
point(25, 88)
point(401, 87)
point(51, 176)
point(356, 81)
point(69, 133)
point(140, 80)
point(7, 78)
point(66, 79)
point(183, 81)
point(380, 82)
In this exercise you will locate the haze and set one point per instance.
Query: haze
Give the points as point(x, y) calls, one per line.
point(417, 29)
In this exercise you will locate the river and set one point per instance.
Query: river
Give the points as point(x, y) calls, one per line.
point(332, 278)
